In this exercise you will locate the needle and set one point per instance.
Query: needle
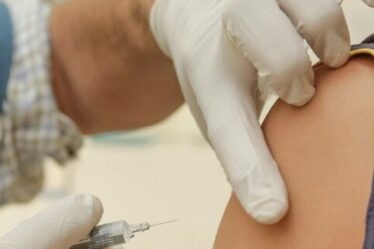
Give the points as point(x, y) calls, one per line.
point(163, 223)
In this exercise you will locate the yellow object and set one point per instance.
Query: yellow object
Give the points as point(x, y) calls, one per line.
point(361, 51)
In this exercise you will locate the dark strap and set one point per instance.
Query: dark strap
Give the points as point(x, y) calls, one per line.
point(367, 43)
point(6, 50)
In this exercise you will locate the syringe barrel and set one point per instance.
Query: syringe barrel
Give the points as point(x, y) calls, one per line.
point(105, 236)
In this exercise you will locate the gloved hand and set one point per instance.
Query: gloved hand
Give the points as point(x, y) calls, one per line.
point(58, 227)
point(229, 52)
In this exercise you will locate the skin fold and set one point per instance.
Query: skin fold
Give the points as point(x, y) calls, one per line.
point(325, 153)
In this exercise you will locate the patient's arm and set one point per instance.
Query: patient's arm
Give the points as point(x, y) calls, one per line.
point(325, 152)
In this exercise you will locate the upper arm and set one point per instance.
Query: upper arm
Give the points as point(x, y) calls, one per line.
point(325, 154)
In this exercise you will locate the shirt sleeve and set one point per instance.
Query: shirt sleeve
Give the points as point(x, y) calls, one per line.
point(32, 126)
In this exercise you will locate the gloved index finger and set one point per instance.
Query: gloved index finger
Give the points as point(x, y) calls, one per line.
point(58, 227)
point(223, 83)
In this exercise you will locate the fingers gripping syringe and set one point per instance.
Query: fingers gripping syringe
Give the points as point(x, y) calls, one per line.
point(113, 234)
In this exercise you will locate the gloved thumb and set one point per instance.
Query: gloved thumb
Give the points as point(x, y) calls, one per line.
point(58, 227)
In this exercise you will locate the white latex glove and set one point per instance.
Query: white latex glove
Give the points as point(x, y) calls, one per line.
point(58, 227)
point(229, 52)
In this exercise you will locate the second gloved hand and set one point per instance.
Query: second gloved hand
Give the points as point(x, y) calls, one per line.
point(58, 227)
point(229, 52)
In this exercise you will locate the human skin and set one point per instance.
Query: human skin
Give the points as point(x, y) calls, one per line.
point(325, 153)
point(108, 73)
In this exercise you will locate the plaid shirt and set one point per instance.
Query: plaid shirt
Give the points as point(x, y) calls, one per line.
point(31, 127)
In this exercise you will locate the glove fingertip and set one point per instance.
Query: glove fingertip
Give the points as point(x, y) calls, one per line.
point(300, 95)
point(92, 205)
point(336, 50)
point(265, 206)
point(85, 212)
point(268, 212)
point(338, 57)
point(263, 194)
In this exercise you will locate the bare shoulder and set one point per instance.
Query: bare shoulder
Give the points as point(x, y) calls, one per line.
point(325, 154)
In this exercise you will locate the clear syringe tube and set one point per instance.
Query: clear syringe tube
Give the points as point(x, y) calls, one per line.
point(112, 234)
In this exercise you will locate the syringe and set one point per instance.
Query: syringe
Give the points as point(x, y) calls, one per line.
point(113, 234)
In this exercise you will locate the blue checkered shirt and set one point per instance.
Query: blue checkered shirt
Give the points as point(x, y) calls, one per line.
point(31, 127)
